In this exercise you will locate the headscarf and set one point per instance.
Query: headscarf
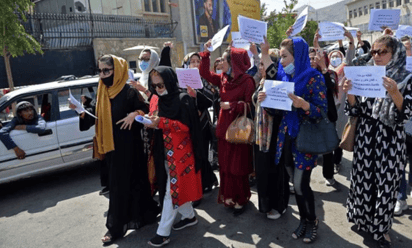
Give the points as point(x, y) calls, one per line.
point(104, 128)
point(24, 105)
point(340, 73)
point(303, 73)
point(332, 73)
point(153, 62)
point(384, 108)
point(180, 106)
point(186, 59)
point(240, 63)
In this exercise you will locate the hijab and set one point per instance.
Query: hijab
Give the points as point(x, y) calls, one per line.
point(303, 73)
point(240, 63)
point(153, 62)
point(186, 59)
point(177, 105)
point(384, 108)
point(104, 128)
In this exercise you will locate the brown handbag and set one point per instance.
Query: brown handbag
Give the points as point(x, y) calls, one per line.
point(241, 130)
point(348, 134)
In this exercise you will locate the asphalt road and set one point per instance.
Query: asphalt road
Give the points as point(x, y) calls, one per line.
point(65, 210)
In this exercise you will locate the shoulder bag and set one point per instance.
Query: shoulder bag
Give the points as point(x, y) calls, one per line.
point(348, 134)
point(241, 130)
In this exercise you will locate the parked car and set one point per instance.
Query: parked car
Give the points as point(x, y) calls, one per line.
point(63, 145)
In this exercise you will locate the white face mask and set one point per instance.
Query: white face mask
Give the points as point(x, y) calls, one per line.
point(163, 93)
point(335, 62)
point(218, 71)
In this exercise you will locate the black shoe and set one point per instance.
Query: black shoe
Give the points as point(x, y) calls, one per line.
point(239, 211)
point(185, 223)
point(300, 230)
point(311, 231)
point(159, 241)
point(104, 191)
point(196, 203)
point(383, 243)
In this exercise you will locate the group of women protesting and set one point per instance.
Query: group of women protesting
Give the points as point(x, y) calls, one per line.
point(170, 155)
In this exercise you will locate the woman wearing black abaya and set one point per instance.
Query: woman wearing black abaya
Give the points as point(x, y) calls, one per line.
point(118, 138)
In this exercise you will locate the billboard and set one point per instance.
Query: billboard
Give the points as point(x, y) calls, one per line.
point(212, 15)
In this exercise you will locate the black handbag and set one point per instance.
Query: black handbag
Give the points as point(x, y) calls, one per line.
point(317, 137)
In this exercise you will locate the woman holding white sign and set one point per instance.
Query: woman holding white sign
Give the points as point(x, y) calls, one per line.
point(379, 155)
point(309, 99)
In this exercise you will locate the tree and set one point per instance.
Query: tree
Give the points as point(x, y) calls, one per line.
point(14, 39)
point(263, 11)
point(308, 33)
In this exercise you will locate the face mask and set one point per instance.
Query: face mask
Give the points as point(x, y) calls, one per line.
point(108, 81)
point(163, 93)
point(360, 51)
point(335, 62)
point(144, 65)
point(229, 71)
point(218, 71)
point(289, 69)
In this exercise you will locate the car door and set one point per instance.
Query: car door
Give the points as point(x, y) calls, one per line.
point(75, 145)
point(42, 150)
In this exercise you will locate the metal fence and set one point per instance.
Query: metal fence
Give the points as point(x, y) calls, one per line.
point(57, 31)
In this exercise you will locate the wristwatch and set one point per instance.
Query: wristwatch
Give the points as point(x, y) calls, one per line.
point(324, 70)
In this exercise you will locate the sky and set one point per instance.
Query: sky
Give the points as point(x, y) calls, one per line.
point(317, 4)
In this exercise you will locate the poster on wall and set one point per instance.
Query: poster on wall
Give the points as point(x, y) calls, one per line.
point(210, 16)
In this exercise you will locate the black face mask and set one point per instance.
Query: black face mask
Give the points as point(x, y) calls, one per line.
point(108, 81)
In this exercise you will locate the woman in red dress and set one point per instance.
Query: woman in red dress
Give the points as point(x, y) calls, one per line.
point(236, 89)
point(178, 121)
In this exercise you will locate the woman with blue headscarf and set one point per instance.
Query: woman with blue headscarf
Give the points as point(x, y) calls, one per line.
point(309, 99)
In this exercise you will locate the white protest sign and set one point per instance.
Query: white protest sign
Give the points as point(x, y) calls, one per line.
point(352, 31)
point(403, 30)
point(380, 18)
point(409, 63)
point(79, 107)
point(189, 77)
point(366, 81)
point(300, 22)
point(331, 31)
point(218, 39)
point(252, 30)
point(238, 42)
point(277, 95)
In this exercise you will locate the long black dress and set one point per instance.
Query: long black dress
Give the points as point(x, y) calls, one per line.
point(131, 205)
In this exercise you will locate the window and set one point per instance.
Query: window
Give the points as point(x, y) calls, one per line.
point(350, 14)
point(42, 104)
point(63, 95)
point(355, 14)
point(133, 65)
point(406, 1)
point(398, 2)
point(158, 6)
point(391, 5)
point(365, 10)
point(360, 11)
point(371, 6)
point(383, 4)
point(378, 5)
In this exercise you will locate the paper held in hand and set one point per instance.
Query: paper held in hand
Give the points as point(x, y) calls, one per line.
point(300, 22)
point(217, 39)
point(331, 31)
point(238, 42)
point(79, 108)
point(277, 95)
point(403, 30)
point(189, 77)
point(409, 63)
point(352, 31)
point(251, 29)
point(366, 81)
point(384, 18)
point(143, 120)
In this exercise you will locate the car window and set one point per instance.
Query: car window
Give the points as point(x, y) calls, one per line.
point(63, 95)
point(42, 104)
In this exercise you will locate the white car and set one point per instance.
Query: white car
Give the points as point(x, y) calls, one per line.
point(63, 145)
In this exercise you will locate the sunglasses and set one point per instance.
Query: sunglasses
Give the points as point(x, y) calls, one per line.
point(379, 52)
point(160, 86)
point(105, 71)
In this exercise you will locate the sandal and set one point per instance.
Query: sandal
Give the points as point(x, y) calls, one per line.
point(300, 230)
point(107, 238)
point(311, 231)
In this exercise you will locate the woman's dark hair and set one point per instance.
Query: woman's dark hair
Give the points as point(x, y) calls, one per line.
point(228, 59)
point(388, 41)
point(106, 59)
point(217, 61)
point(312, 50)
point(288, 44)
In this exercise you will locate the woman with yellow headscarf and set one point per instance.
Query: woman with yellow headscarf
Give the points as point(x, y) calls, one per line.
point(119, 140)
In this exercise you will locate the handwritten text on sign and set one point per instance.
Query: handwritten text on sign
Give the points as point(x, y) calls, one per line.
point(217, 39)
point(189, 77)
point(403, 30)
point(381, 18)
point(251, 29)
point(300, 22)
point(331, 31)
point(277, 95)
point(366, 82)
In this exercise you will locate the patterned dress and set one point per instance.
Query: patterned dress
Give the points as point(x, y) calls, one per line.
point(379, 157)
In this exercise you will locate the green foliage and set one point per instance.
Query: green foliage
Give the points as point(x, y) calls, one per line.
point(13, 36)
point(263, 11)
point(279, 23)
